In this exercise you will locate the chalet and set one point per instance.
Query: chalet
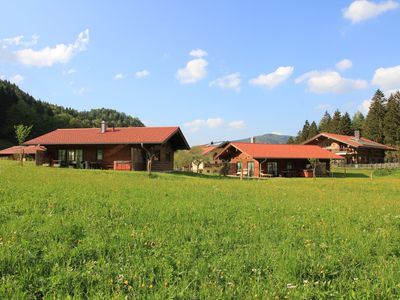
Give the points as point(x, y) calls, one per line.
point(15, 152)
point(211, 150)
point(271, 160)
point(354, 149)
point(126, 148)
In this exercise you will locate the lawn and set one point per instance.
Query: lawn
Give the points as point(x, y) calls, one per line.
point(104, 234)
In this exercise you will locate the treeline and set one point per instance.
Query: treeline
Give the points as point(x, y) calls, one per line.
point(382, 123)
point(18, 107)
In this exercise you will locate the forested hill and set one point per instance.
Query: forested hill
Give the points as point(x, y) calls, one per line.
point(18, 107)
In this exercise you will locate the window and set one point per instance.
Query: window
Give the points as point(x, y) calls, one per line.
point(79, 155)
point(99, 154)
point(239, 166)
point(289, 166)
point(272, 168)
point(156, 156)
point(61, 155)
point(168, 156)
point(250, 168)
point(71, 155)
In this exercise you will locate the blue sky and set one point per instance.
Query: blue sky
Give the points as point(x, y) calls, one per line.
point(219, 69)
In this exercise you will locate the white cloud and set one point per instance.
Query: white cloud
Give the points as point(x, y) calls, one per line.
point(12, 41)
point(344, 64)
point(195, 70)
point(47, 56)
point(236, 124)
point(199, 53)
point(17, 78)
point(195, 125)
point(364, 106)
point(388, 79)
point(323, 106)
point(81, 91)
point(231, 81)
point(214, 123)
point(69, 71)
point(273, 79)
point(361, 10)
point(320, 82)
point(118, 76)
point(142, 74)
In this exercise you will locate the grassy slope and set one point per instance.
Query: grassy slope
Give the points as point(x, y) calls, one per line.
point(104, 234)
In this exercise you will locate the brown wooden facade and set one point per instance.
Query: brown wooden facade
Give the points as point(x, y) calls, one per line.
point(105, 156)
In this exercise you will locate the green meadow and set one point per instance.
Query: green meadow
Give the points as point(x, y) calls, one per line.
point(78, 234)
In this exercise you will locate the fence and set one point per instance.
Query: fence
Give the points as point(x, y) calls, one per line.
point(371, 166)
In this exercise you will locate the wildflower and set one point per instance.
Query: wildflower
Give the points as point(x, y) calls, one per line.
point(290, 286)
point(126, 282)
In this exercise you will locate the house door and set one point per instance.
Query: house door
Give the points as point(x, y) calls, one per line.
point(272, 168)
point(250, 168)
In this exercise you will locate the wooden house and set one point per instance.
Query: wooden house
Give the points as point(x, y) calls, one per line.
point(15, 152)
point(354, 149)
point(272, 160)
point(120, 148)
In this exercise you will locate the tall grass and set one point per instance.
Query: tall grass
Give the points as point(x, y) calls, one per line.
point(103, 234)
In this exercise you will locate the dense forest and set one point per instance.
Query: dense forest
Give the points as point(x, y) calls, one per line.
point(18, 107)
point(381, 124)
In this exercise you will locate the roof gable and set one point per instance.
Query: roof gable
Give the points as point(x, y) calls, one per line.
point(18, 149)
point(350, 140)
point(288, 151)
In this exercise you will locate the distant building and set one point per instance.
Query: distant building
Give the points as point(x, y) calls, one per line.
point(15, 152)
point(354, 149)
point(212, 150)
point(271, 160)
point(121, 148)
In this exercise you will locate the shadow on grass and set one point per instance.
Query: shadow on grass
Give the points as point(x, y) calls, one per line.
point(349, 175)
point(200, 175)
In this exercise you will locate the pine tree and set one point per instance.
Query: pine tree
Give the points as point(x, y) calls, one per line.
point(374, 122)
point(358, 121)
point(391, 127)
point(325, 123)
point(291, 140)
point(313, 131)
point(345, 125)
point(305, 131)
point(298, 137)
point(334, 125)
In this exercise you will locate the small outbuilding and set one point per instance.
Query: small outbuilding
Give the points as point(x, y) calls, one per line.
point(15, 152)
point(272, 160)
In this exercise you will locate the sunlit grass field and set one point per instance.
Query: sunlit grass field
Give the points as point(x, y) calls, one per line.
point(104, 234)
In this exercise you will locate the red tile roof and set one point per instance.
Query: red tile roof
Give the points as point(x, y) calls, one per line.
point(283, 151)
point(352, 141)
point(118, 135)
point(18, 150)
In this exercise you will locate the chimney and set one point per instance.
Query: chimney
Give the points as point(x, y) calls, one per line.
point(357, 134)
point(253, 140)
point(103, 127)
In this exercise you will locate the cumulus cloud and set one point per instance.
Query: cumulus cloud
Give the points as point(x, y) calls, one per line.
point(344, 64)
point(361, 10)
point(364, 106)
point(321, 82)
point(118, 76)
point(212, 123)
point(69, 71)
point(195, 70)
point(231, 81)
point(19, 41)
point(273, 79)
point(236, 124)
point(142, 74)
point(199, 53)
point(47, 56)
point(388, 79)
